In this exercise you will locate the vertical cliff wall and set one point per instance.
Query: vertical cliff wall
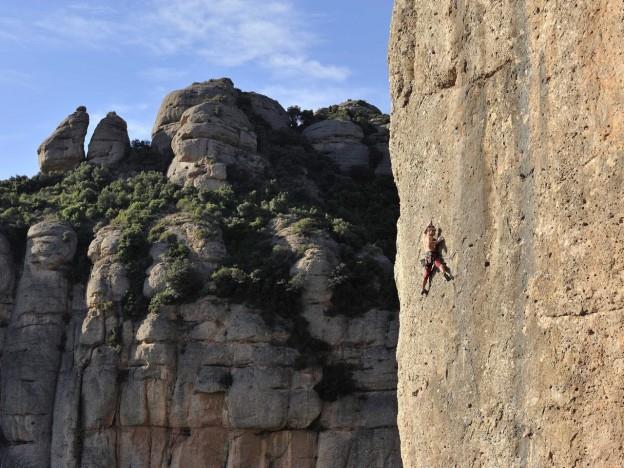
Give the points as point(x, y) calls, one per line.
point(507, 131)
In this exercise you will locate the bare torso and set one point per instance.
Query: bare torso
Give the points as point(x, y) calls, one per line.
point(429, 242)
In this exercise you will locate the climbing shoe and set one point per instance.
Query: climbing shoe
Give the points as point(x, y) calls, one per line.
point(423, 292)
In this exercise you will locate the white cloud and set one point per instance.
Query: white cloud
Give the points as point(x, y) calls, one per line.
point(288, 65)
point(67, 28)
point(271, 34)
point(236, 32)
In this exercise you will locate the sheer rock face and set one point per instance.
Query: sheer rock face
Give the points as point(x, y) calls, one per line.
point(208, 383)
point(32, 350)
point(109, 143)
point(64, 149)
point(7, 280)
point(507, 131)
point(379, 142)
point(7, 285)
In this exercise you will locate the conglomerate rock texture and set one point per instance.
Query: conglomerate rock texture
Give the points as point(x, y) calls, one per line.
point(110, 142)
point(32, 351)
point(212, 380)
point(176, 102)
point(507, 130)
point(64, 150)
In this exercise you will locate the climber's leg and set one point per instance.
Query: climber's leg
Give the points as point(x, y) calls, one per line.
point(426, 276)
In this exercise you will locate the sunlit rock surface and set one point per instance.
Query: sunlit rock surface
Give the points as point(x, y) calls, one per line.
point(507, 132)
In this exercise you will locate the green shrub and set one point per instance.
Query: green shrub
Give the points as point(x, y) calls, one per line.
point(306, 226)
point(133, 252)
point(228, 281)
point(182, 282)
point(182, 279)
point(348, 233)
point(300, 118)
point(265, 284)
point(299, 183)
point(360, 284)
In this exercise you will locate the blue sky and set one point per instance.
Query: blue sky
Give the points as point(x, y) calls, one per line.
point(126, 55)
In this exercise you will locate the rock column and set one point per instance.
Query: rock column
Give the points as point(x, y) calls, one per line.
point(64, 149)
point(7, 283)
point(110, 142)
point(31, 358)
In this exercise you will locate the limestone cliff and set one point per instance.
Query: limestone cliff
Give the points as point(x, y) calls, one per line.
point(231, 306)
point(507, 130)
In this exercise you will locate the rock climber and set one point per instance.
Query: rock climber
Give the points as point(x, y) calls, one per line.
point(431, 244)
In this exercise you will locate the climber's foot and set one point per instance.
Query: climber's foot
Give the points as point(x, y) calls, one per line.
point(424, 292)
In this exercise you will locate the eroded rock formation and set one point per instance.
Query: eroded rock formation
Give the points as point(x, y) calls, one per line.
point(7, 281)
point(176, 102)
point(353, 134)
point(120, 345)
point(211, 136)
point(203, 241)
point(202, 384)
point(109, 143)
point(34, 339)
point(340, 140)
point(64, 149)
point(269, 109)
point(507, 131)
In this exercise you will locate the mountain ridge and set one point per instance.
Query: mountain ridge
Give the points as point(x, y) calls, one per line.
point(189, 302)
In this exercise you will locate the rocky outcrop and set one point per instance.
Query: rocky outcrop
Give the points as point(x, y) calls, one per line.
point(507, 131)
point(177, 102)
point(211, 384)
point(269, 110)
point(205, 246)
point(211, 136)
point(134, 353)
point(365, 344)
point(109, 143)
point(206, 131)
point(32, 351)
point(64, 149)
point(349, 110)
point(353, 134)
point(340, 140)
point(208, 383)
